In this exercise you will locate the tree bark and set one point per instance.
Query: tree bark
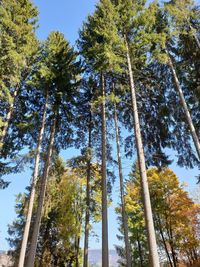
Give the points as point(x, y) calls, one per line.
point(87, 215)
point(77, 247)
point(9, 117)
point(153, 253)
point(184, 105)
point(105, 252)
point(33, 247)
point(121, 178)
point(164, 242)
point(33, 186)
point(140, 251)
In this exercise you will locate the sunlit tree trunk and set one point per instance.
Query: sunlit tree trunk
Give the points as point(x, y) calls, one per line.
point(33, 186)
point(36, 228)
point(184, 105)
point(124, 215)
point(153, 253)
point(105, 252)
point(87, 215)
point(9, 117)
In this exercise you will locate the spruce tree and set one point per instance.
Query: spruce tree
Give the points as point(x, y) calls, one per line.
point(58, 73)
point(128, 26)
point(18, 44)
point(99, 44)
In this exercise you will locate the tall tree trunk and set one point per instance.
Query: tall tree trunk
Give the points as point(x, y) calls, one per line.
point(124, 215)
point(184, 105)
point(105, 252)
point(153, 253)
point(33, 186)
point(87, 215)
point(36, 228)
point(9, 117)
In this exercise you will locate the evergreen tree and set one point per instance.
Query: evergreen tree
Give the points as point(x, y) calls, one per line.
point(99, 43)
point(18, 45)
point(59, 71)
point(128, 28)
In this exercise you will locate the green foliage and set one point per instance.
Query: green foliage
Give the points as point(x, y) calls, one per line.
point(99, 41)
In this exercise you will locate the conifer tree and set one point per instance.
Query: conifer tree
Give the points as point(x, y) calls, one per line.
point(99, 43)
point(59, 72)
point(162, 33)
point(128, 13)
point(18, 45)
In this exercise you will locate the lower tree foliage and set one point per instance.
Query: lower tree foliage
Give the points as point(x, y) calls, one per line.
point(176, 218)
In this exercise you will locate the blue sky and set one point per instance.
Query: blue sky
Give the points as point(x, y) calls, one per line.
point(67, 16)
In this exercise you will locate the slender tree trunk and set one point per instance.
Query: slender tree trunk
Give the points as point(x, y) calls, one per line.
point(153, 253)
point(77, 251)
point(140, 251)
point(184, 105)
point(164, 242)
point(33, 186)
point(36, 228)
point(105, 252)
point(124, 215)
point(87, 215)
point(9, 117)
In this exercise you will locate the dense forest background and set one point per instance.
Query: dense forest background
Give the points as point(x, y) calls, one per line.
point(129, 88)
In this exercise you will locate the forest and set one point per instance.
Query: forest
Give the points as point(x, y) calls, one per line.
point(130, 85)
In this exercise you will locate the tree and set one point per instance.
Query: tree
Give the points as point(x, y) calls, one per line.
point(174, 213)
point(126, 23)
point(100, 30)
point(18, 46)
point(60, 72)
point(61, 223)
point(162, 38)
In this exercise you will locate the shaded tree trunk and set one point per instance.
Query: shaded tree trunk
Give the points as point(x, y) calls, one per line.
point(36, 228)
point(184, 105)
point(33, 186)
point(124, 215)
point(87, 215)
point(153, 253)
point(77, 247)
point(164, 242)
point(105, 252)
point(140, 251)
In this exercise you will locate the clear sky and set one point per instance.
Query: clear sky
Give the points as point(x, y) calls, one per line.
point(67, 16)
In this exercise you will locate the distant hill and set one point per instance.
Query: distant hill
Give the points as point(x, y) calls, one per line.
point(95, 258)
